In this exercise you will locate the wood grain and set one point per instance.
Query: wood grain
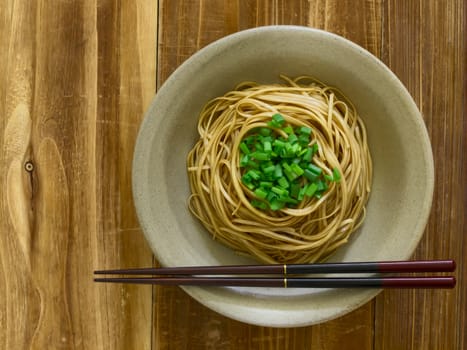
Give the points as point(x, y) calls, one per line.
point(126, 34)
point(75, 80)
point(425, 46)
point(20, 306)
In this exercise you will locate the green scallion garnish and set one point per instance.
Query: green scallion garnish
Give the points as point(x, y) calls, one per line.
point(280, 171)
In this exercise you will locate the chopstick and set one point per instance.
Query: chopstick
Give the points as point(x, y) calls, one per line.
point(188, 275)
point(286, 282)
point(349, 267)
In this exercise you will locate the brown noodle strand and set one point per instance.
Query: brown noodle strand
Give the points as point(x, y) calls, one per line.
point(316, 227)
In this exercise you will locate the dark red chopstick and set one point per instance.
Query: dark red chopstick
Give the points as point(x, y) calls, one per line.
point(288, 275)
point(349, 267)
point(284, 282)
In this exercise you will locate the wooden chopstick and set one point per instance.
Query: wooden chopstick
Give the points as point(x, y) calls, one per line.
point(347, 267)
point(286, 282)
point(188, 275)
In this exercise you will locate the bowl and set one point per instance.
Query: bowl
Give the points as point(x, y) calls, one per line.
point(403, 177)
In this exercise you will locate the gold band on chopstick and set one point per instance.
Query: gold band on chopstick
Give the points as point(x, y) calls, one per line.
point(285, 269)
point(285, 282)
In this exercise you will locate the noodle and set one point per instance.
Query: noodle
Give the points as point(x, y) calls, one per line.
point(313, 229)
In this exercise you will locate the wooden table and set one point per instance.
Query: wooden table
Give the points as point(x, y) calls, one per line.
point(75, 79)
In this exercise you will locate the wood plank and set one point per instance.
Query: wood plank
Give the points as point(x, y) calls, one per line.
point(183, 323)
point(201, 22)
point(185, 27)
point(125, 86)
point(19, 306)
point(72, 94)
point(425, 46)
point(358, 21)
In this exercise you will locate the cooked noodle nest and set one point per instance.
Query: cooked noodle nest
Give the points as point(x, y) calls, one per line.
point(313, 229)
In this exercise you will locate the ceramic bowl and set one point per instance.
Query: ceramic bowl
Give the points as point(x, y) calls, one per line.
point(402, 188)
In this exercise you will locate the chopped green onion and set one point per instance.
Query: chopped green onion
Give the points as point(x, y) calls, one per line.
point(305, 130)
point(311, 189)
point(287, 151)
point(283, 182)
point(288, 129)
point(302, 152)
point(266, 138)
point(292, 138)
point(279, 119)
point(336, 175)
point(294, 190)
point(259, 146)
point(250, 186)
point(303, 140)
point(260, 155)
point(310, 176)
point(244, 160)
point(265, 131)
point(259, 204)
point(296, 160)
point(308, 155)
point(315, 169)
point(265, 184)
point(271, 196)
point(290, 200)
point(279, 144)
point(252, 164)
point(301, 193)
point(296, 169)
point(254, 174)
point(249, 140)
point(321, 186)
point(276, 204)
point(279, 191)
point(296, 148)
point(244, 148)
point(280, 170)
point(260, 193)
point(269, 169)
point(291, 175)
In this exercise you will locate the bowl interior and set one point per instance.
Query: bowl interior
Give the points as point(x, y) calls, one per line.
point(403, 169)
